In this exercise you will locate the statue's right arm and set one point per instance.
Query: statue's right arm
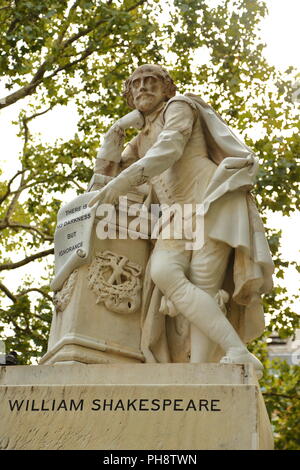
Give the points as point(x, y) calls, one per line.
point(129, 155)
point(113, 145)
point(169, 147)
point(111, 157)
point(104, 166)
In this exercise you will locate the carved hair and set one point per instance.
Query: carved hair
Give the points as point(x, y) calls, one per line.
point(170, 87)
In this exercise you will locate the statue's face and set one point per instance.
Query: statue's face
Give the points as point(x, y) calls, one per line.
point(147, 90)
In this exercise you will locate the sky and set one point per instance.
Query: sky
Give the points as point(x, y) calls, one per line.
point(280, 32)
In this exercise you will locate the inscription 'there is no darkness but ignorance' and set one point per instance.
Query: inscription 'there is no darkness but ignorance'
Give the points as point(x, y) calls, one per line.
point(79, 219)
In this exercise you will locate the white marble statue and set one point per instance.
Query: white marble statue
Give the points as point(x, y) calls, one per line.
point(188, 155)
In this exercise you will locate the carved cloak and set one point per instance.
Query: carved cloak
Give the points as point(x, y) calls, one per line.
point(249, 272)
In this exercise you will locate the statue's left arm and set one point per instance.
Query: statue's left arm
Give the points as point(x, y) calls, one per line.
point(169, 147)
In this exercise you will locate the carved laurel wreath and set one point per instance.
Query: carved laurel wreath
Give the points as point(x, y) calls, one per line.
point(115, 281)
point(62, 297)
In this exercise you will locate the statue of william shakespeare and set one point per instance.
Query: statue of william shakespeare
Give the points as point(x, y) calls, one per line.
point(202, 286)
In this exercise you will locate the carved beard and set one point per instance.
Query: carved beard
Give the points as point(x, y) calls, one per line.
point(145, 102)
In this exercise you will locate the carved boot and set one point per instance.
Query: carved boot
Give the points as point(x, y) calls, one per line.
point(240, 356)
point(203, 311)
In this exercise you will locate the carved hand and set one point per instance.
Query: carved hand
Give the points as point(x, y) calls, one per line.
point(234, 163)
point(112, 147)
point(112, 191)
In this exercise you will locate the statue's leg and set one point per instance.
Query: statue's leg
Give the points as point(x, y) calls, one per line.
point(201, 346)
point(207, 271)
point(169, 271)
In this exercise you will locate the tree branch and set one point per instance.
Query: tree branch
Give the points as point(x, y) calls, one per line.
point(83, 56)
point(82, 33)
point(8, 292)
point(67, 23)
point(14, 297)
point(14, 201)
point(14, 225)
point(20, 188)
point(8, 191)
point(19, 94)
point(35, 289)
point(33, 116)
point(88, 30)
point(26, 260)
point(78, 186)
point(35, 183)
point(39, 75)
point(138, 4)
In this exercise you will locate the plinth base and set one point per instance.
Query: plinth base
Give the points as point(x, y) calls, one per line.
point(136, 406)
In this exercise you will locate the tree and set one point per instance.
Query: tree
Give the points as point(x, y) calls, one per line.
point(280, 386)
point(57, 53)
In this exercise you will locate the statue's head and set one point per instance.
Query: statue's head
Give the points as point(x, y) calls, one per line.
point(147, 87)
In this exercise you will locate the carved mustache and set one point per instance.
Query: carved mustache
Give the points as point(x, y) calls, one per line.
point(144, 94)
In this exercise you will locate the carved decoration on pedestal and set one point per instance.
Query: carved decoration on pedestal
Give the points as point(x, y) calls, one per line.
point(116, 282)
point(62, 297)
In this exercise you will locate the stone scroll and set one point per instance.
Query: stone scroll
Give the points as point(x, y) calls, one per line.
point(72, 239)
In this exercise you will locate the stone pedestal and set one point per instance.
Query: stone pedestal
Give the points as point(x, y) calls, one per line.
point(132, 406)
point(91, 330)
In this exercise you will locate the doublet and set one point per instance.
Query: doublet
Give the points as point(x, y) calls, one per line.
point(171, 153)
